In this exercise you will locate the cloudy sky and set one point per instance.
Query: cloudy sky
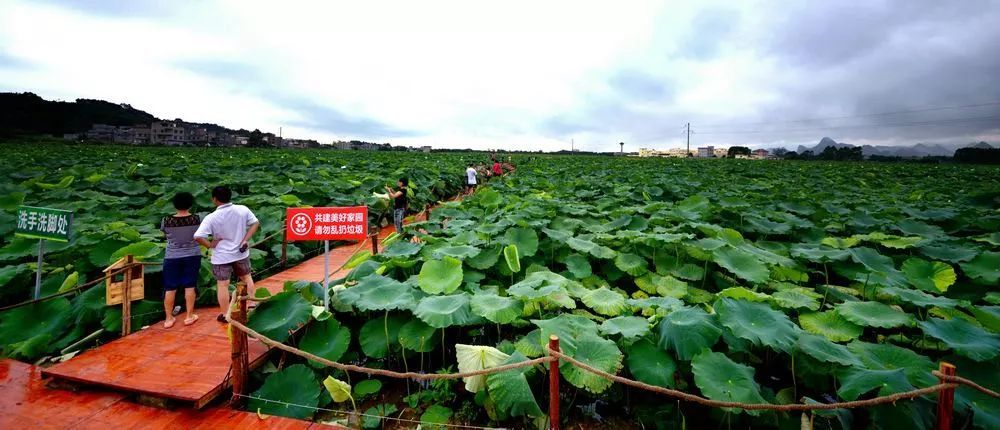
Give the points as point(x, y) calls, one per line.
point(528, 74)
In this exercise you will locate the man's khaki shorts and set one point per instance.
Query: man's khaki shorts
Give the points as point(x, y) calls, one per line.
point(224, 272)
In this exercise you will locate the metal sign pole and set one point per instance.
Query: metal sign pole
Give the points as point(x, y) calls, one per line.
point(326, 274)
point(38, 272)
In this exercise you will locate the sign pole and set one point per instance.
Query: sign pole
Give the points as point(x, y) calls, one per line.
point(326, 274)
point(38, 272)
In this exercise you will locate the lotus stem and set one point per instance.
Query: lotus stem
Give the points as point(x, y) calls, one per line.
point(795, 386)
point(387, 346)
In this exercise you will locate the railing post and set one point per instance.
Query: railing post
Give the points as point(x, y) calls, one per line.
point(554, 385)
point(127, 297)
point(427, 212)
point(241, 361)
point(946, 398)
point(374, 238)
point(284, 246)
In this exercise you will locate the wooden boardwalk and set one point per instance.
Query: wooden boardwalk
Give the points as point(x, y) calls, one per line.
point(28, 404)
point(185, 364)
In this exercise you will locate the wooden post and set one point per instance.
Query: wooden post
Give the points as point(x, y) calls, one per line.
point(946, 398)
point(374, 239)
point(427, 212)
point(127, 297)
point(284, 247)
point(241, 360)
point(554, 385)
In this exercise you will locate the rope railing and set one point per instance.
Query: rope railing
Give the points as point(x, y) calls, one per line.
point(86, 285)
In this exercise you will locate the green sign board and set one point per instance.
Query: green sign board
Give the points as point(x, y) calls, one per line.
point(44, 223)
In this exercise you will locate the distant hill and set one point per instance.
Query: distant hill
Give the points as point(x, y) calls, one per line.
point(27, 113)
point(911, 151)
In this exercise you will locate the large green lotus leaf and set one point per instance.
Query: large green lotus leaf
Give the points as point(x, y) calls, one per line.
point(10, 272)
point(985, 267)
point(596, 352)
point(378, 335)
point(831, 325)
point(417, 336)
point(436, 417)
point(929, 275)
point(293, 385)
point(339, 391)
point(379, 293)
point(873, 314)
point(579, 266)
point(440, 276)
point(567, 327)
point(872, 260)
point(525, 238)
point(497, 309)
point(950, 253)
point(797, 298)
point(531, 344)
point(818, 254)
point(650, 364)
point(720, 378)
point(820, 348)
point(533, 288)
point(632, 264)
point(742, 293)
point(512, 258)
point(840, 242)
point(605, 301)
point(472, 358)
point(141, 251)
point(857, 382)
point(919, 298)
point(511, 391)
point(591, 248)
point(460, 252)
point(883, 356)
point(446, 311)
point(628, 327)
point(401, 249)
point(687, 331)
point(651, 303)
point(742, 263)
point(34, 327)
point(280, 314)
point(757, 323)
point(988, 316)
point(557, 235)
point(327, 339)
point(486, 259)
point(374, 415)
point(965, 338)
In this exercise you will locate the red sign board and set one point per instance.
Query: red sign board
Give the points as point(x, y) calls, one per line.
point(347, 223)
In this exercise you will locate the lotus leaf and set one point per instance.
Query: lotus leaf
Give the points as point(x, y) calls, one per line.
point(873, 314)
point(596, 352)
point(632, 264)
point(797, 298)
point(929, 275)
point(577, 264)
point(374, 415)
point(473, 358)
point(687, 331)
point(605, 301)
point(279, 315)
point(831, 325)
point(435, 414)
point(511, 391)
point(963, 337)
point(293, 385)
point(628, 327)
point(511, 257)
point(857, 382)
point(440, 276)
point(497, 309)
point(741, 263)
point(985, 267)
point(723, 379)
point(881, 356)
point(327, 339)
point(820, 348)
point(757, 323)
point(446, 311)
point(525, 239)
point(417, 336)
point(378, 335)
point(650, 364)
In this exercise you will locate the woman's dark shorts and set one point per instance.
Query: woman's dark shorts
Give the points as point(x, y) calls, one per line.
point(181, 272)
point(224, 272)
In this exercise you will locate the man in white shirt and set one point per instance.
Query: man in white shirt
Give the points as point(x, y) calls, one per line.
point(231, 227)
point(470, 175)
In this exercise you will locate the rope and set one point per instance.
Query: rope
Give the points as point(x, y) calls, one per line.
point(755, 406)
point(963, 381)
point(338, 411)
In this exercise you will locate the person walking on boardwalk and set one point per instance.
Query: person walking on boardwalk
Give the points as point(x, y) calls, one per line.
point(470, 179)
point(231, 227)
point(497, 170)
point(182, 260)
point(400, 203)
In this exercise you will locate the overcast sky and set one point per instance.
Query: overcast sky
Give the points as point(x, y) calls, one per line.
point(527, 75)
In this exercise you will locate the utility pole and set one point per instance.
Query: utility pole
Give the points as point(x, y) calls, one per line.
point(572, 145)
point(688, 127)
point(622, 144)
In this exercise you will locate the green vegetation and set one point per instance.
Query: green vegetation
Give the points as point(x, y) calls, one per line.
point(739, 280)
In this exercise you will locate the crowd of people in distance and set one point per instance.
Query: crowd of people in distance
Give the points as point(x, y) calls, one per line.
point(495, 169)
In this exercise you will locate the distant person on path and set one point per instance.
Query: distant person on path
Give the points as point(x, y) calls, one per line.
point(400, 203)
point(470, 179)
point(497, 170)
point(231, 227)
point(182, 260)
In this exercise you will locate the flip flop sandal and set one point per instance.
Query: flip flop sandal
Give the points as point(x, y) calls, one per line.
point(189, 321)
point(168, 324)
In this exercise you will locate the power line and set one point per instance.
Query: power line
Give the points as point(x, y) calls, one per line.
point(929, 109)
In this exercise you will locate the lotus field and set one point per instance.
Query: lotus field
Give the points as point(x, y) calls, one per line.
point(739, 280)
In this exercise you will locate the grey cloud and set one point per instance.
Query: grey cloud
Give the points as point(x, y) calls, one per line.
point(124, 9)
point(709, 30)
point(8, 61)
point(637, 85)
point(242, 77)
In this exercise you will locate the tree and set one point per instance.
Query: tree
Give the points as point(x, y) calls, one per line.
point(256, 139)
point(779, 152)
point(738, 150)
point(978, 155)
